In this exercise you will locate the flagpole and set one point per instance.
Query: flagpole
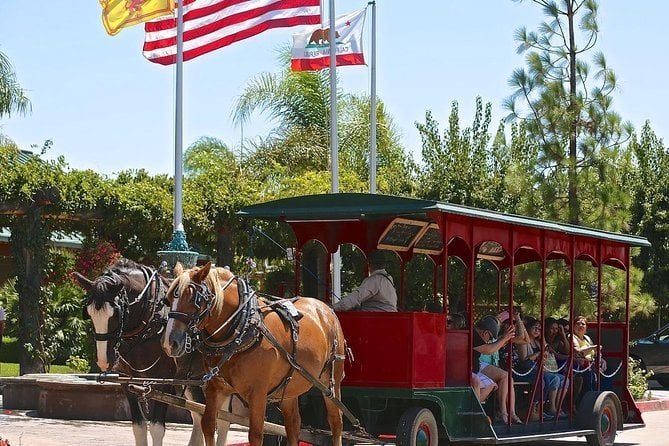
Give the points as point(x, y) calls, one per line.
point(178, 124)
point(334, 143)
point(178, 249)
point(372, 119)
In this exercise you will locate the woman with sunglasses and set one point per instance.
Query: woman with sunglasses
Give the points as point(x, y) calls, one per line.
point(530, 354)
point(585, 352)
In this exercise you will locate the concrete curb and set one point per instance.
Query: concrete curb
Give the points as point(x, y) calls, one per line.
point(652, 405)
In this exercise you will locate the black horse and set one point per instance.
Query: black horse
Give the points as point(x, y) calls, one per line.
point(128, 308)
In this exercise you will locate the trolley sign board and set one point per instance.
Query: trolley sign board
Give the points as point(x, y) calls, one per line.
point(401, 234)
point(430, 242)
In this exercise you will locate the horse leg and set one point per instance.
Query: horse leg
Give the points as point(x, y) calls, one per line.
point(138, 422)
point(222, 426)
point(291, 420)
point(215, 400)
point(257, 405)
point(334, 420)
point(157, 425)
point(194, 393)
point(334, 413)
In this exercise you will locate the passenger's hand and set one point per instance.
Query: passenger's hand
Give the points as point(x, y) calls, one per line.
point(509, 332)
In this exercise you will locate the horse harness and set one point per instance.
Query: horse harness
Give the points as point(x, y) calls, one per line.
point(151, 324)
point(246, 330)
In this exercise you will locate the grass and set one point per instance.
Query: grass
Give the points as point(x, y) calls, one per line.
point(9, 369)
point(9, 354)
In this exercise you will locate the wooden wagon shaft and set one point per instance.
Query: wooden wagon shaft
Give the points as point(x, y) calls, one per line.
point(114, 378)
point(268, 428)
point(313, 436)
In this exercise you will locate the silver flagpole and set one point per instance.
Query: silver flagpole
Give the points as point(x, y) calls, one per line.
point(372, 119)
point(334, 144)
point(178, 124)
point(178, 249)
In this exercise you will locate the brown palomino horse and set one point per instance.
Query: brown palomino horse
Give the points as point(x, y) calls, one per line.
point(248, 346)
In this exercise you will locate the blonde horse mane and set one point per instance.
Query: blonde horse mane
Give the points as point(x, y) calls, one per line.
point(213, 282)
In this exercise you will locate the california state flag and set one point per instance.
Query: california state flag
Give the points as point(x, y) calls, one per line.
point(311, 49)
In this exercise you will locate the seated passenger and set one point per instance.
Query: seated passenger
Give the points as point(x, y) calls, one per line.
point(376, 292)
point(530, 358)
point(585, 354)
point(486, 347)
point(456, 321)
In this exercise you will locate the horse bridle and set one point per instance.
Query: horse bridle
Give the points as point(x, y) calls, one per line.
point(122, 305)
point(203, 295)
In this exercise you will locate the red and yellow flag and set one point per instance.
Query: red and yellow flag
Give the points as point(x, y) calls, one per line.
point(117, 14)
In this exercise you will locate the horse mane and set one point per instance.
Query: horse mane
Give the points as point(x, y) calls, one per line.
point(110, 276)
point(213, 282)
point(123, 264)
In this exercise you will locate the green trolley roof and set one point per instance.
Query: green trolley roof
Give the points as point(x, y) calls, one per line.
point(361, 206)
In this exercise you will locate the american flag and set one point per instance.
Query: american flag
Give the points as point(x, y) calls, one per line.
point(213, 24)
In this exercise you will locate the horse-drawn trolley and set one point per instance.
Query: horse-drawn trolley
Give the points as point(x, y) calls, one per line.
point(406, 376)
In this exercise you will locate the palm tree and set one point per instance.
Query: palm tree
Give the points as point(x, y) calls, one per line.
point(12, 96)
point(299, 102)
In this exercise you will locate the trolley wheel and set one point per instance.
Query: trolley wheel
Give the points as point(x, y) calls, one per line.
point(417, 427)
point(600, 411)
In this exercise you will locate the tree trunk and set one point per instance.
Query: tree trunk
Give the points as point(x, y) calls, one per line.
point(29, 249)
point(574, 208)
point(224, 252)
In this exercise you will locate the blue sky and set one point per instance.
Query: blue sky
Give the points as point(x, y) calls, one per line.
point(106, 108)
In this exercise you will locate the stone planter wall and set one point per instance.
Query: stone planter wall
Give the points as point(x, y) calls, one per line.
point(72, 397)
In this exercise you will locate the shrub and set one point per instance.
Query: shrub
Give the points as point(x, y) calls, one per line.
point(78, 364)
point(638, 379)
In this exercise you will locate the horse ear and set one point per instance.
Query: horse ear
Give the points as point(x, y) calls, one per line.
point(83, 281)
point(178, 269)
point(202, 273)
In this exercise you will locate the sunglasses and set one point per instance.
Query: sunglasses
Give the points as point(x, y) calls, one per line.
point(581, 324)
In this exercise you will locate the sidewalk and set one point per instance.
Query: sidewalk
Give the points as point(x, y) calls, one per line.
point(659, 401)
point(24, 428)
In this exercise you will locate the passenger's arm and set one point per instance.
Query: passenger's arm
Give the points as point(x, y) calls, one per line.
point(522, 337)
point(355, 297)
point(585, 349)
point(489, 349)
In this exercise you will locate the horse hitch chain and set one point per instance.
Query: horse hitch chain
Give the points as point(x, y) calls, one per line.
point(211, 375)
point(189, 343)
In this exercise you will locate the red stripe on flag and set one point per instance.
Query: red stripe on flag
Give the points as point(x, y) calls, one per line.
point(167, 24)
point(244, 34)
point(324, 62)
point(223, 23)
point(214, 8)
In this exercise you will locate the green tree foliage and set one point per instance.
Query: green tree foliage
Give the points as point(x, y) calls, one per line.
point(650, 212)
point(464, 166)
point(12, 96)
point(216, 187)
point(566, 106)
point(137, 211)
point(294, 158)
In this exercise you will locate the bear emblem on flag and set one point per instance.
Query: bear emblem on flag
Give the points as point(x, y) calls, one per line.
point(322, 36)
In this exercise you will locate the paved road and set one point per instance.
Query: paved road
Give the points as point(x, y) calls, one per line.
point(25, 429)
